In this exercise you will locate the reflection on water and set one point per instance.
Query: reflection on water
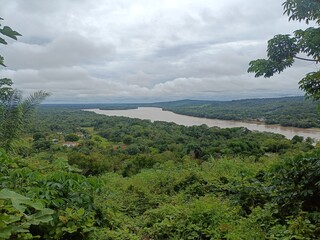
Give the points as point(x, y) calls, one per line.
point(157, 114)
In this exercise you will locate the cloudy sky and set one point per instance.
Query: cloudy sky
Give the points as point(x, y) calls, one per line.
point(143, 50)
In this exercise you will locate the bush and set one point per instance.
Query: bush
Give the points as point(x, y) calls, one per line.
point(71, 137)
point(41, 144)
point(296, 185)
point(38, 136)
point(31, 198)
point(205, 218)
point(18, 213)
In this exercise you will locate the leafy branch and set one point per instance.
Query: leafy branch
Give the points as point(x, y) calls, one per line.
point(282, 50)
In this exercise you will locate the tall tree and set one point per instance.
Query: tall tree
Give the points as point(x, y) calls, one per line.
point(283, 50)
point(14, 110)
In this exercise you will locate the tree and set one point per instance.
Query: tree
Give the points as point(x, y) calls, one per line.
point(283, 50)
point(14, 110)
point(5, 83)
point(71, 137)
point(38, 136)
point(296, 139)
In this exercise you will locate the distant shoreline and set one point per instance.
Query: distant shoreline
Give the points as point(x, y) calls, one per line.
point(158, 114)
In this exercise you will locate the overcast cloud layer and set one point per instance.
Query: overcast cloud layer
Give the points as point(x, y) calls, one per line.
point(143, 51)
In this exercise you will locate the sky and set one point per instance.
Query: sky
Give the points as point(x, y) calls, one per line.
point(87, 51)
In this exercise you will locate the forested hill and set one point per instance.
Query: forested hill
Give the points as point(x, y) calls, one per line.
point(286, 111)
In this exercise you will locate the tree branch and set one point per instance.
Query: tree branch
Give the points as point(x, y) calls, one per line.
point(306, 59)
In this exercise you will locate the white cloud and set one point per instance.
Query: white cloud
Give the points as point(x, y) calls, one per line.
point(66, 50)
point(140, 50)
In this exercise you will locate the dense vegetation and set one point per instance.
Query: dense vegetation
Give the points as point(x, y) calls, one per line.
point(133, 179)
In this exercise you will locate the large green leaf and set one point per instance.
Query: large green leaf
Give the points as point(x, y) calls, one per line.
point(44, 216)
point(13, 222)
point(5, 233)
point(21, 203)
point(7, 31)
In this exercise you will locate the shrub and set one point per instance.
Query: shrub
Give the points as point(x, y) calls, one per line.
point(71, 137)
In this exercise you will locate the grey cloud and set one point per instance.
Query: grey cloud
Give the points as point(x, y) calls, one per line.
point(66, 50)
point(141, 50)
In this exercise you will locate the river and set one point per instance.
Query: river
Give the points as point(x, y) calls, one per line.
point(157, 114)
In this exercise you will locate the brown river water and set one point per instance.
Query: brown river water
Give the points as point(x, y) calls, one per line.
point(157, 114)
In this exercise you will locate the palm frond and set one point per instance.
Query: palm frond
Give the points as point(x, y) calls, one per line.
point(14, 112)
point(29, 104)
point(11, 119)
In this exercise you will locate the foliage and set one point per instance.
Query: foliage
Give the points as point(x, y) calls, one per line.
point(133, 179)
point(38, 136)
point(296, 184)
point(14, 111)
point(5, 83)
point(64, 196)
point(203, 218)
point(284, 49)
point(6, 32)
point(71, 137)
point(296, 139)
point(19, 213)
point(152, 143)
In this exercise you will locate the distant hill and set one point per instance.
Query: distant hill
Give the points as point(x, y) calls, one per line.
point(287, 111)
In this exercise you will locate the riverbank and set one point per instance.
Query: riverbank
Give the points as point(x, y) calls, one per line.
point(158, 114)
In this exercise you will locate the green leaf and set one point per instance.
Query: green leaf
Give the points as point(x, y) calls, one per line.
point(2, 61)
point(7, 31)
point(44, 216)
point(283, 49)
point(81, 212)
point(20, 202)
point(5, 81)
point(11, 219)
point(5, 233)
point(2, 41)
